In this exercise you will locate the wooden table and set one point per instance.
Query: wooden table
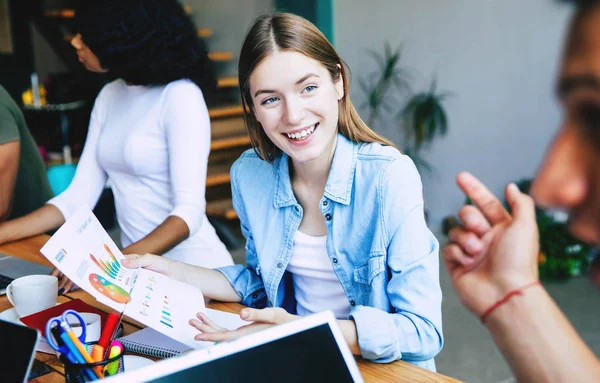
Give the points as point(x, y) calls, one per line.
point(29, 248)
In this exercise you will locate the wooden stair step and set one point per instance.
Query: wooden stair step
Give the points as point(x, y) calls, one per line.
point(227, 128)
point(228, 82)
point(226, 111)
point(217, 175)
point(228, 143)
point(205, 32)
point(62, 13)
point(220, 56)
point(228, 133)
point(202, 32)
point(221, 208)
point(70, 13)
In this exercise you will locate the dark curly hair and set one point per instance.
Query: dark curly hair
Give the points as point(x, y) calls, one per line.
point(145, 42)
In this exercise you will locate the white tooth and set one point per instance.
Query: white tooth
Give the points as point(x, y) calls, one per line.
point(289, 135)
point(295, 136)
point(304, 134)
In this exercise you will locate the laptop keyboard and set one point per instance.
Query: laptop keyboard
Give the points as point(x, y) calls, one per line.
point(5, 281)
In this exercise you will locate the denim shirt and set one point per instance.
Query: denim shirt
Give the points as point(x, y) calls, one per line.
point(379, 246)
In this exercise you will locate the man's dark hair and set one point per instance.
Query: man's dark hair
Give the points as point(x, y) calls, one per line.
point(145, 42)
point(581, 5)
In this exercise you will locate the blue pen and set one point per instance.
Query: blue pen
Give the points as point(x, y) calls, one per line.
point(75, 352)
point(61, 346)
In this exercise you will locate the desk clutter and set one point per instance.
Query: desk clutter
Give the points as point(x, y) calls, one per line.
point(83, 339)
point(95, 365)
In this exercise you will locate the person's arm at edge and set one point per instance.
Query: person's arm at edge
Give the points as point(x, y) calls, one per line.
point(9, 167)
point(44, 219)
point(539, 342)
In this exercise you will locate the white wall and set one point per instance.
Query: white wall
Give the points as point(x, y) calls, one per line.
point(499, 58)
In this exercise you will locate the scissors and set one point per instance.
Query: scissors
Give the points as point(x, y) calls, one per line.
point(62, 322)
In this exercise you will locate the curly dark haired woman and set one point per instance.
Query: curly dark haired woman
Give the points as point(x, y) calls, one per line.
point(149, 133)
point(144, 42)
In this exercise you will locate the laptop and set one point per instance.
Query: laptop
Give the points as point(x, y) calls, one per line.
point(311, 349)
point(17, 351)
point(12, 268)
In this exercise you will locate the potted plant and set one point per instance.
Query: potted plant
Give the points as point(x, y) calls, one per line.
point(377, 85)
point(422, 118)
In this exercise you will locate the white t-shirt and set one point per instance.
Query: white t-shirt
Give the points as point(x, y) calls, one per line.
point(152, 143)
point(316, 287)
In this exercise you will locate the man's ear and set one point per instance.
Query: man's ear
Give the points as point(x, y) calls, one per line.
point(339, 84)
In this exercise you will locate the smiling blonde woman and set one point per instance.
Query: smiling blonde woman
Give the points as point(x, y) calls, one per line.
point(332, 213)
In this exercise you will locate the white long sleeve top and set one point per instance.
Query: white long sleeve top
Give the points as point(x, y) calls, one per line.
point(152, 144)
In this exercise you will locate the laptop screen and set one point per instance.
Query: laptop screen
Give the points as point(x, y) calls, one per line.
point(17, 350)
point(308, 356)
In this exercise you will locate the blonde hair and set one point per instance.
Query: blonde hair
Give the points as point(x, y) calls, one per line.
point(286, 31)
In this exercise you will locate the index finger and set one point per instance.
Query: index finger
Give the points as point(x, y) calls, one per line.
point(483, 198)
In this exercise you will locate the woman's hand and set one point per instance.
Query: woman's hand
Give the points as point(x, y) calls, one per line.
point(151, 262)
point(64, 284)
point(262, 319)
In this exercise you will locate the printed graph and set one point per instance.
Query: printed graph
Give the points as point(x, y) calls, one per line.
point(152, 299)
point(108, 263)
point(165, 314)
point(109, 289)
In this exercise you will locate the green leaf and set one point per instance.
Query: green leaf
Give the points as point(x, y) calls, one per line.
point(424, 118)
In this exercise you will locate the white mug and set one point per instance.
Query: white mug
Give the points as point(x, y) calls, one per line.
point(33, 293)
point(92, 326)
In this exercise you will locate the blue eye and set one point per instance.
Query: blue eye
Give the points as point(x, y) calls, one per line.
point(269, 100)
point(310, 88)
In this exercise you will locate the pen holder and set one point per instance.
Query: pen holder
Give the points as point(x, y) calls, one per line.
point(78, 373)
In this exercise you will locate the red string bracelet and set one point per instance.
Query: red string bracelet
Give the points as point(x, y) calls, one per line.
point(506, 299)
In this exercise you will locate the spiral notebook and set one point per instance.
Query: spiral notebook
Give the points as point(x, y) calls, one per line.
point(153, 343)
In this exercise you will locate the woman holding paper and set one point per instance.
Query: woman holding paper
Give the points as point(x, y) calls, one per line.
point(149, 133)
point(332, 212)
